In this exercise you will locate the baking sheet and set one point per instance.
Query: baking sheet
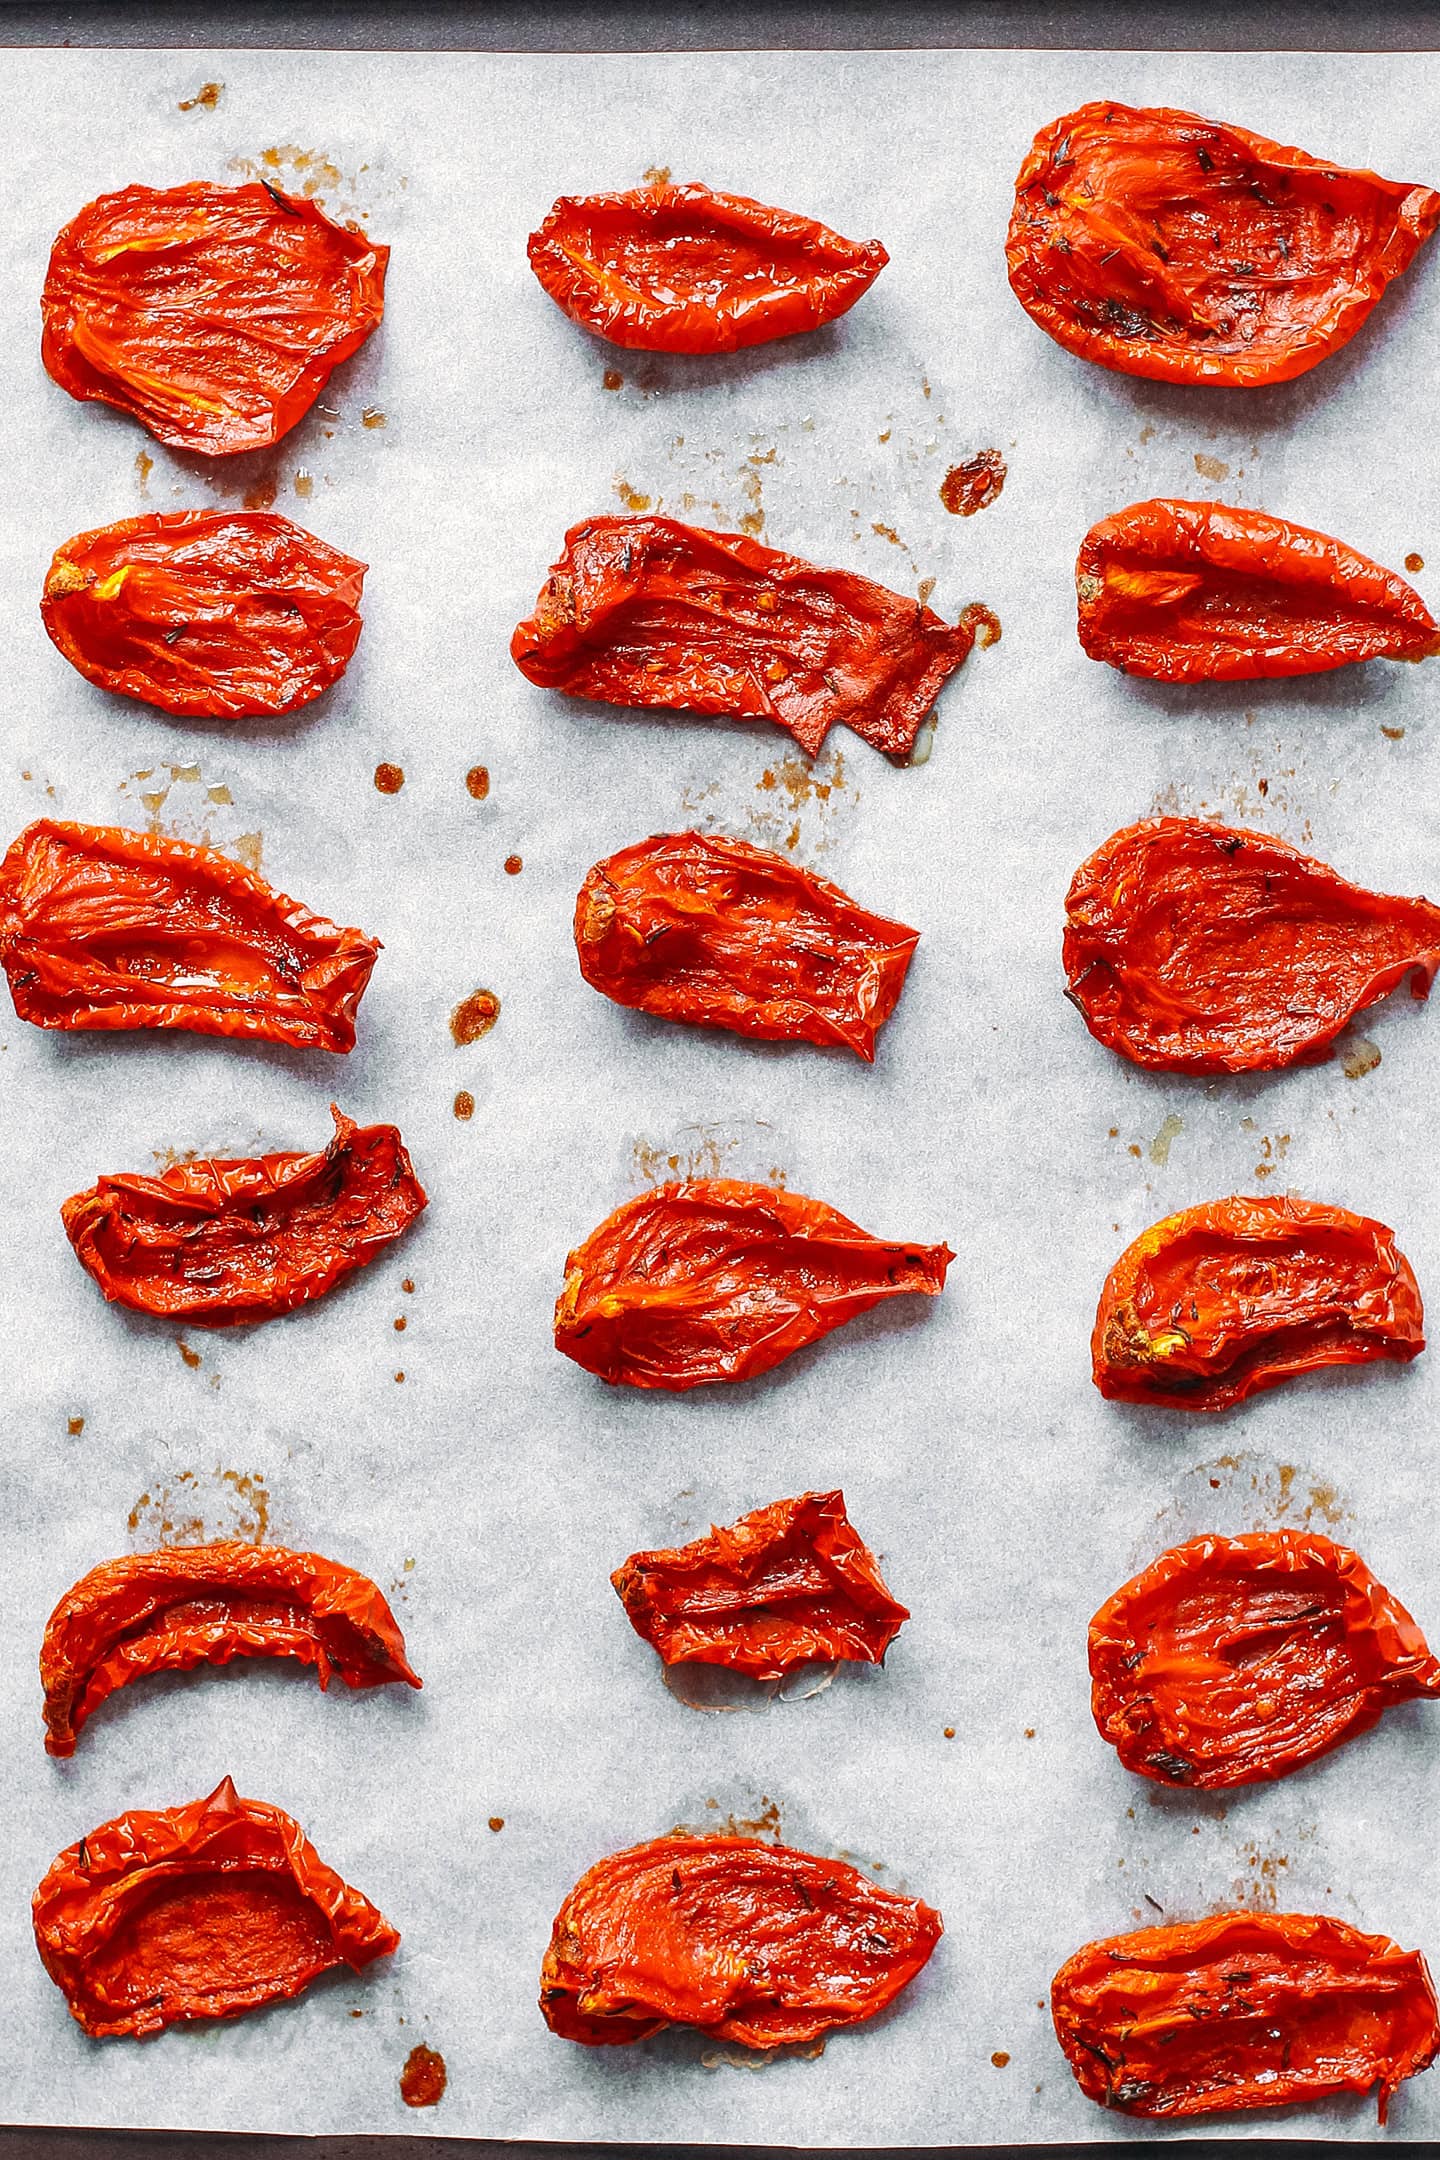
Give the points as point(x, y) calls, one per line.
point(492, 1489)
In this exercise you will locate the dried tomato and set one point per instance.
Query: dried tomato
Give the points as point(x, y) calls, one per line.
point(102, 928)
point(191, 1605)
point(1202, 592)
point(1245, 2010)
point(682, 269)
point(717, 1279)
point(693, 927)
point(1215, 1303)
point(1231, 1659)
point(754, 1943)
point(646, 611)
point(1195, 947)
point(1187, 250)
point(225, 1243)
point(204, 1911)
point(787, 1584)
point(215, 315)
point(213, 613)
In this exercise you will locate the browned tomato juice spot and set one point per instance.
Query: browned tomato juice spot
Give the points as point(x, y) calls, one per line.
point(423, 2079)
point(973, 484)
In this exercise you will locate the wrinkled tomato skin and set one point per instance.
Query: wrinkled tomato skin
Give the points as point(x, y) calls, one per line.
point(213, 315)
point(1211, 1305)
point(693, 927)
point(169, 1915)
point(1235, 1659)
point(748, 1942)
point(787, 1585)
point(210, 614)
point(105, 928)
point(645, 611)
point(1164, 245)
point(1245, 2010)
point(716, 1279)
point(1196, 947)
point(189, 1605)
point(230, 1243)
point(681, 269)
point(1202, 592)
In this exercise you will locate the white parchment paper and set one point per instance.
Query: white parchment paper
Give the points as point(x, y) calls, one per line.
point(495, 1486)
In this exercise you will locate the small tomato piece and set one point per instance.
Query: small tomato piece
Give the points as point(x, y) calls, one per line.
point(1220, 1301)
point(189, 1605)
point(646, 611)
point(1196, 947)
point(228, 1243)
point(750, 1942)
point(716, 1279)
point(693, 927)
point(168, 1915)
point(103, 928)
point(214, 315)
point(1202, 592)
point(682, 269)
point(1246, 2010)
point(1231, 1659)
point(1187, 250)
point(788, 1584)
point(214, 614)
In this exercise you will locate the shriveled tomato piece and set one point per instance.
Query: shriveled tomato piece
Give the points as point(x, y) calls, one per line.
point(1231, 1659)
point(227, 1243)
point(691, 926)
point(210, 613)
point(682, 269)
point(716, 1279)
point(1246, 2010)
point(204, 1911)
point(1202, 592)
point(189, 1605)
point(1188, 250)
point(214, 315)
point(647, 611)
point(1211, 1305)
point(787, 1584)
point(751, 1942)
point(1196, 947)
point(103, 928)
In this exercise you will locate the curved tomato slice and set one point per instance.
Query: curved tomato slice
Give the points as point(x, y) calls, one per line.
point(716, 1279)
point(691, 926)
point(214, 315)
point(211, 613)
point(754, 1943)
point(191, 1605)
point(787, 1584)
point(1250, 2009)
point(103, 928)
point(227, 1243)
point(1195, 947)
point(1231, 1659)
point(682, 269)
point(1165, 245)
point(204, 1911)
point(1213, 1304)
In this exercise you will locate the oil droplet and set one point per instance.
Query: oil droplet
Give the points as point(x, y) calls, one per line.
point(464, 1105)
point(75, 1427)
point(949, 1732)
point(477, 782)
point(144, 466)
point(1170, 1131)
point(514, 864)
point(407, 1286)
point(389, 779)
point(372, 417)
point(400, 1324)
point(497, 1822)
point(973, 484)
point(612, 379)
point(208, 96)
point(474, 1016)
point(399, 1376)
point(422, 2081)
point(304, 482)
point(631, 497)
point(1414, 562)
point(1000, 2058)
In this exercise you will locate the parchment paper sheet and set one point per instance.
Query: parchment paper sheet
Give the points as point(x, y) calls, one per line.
point(494, 1488)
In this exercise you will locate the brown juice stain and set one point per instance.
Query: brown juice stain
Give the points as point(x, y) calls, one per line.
point(464, 1105)
point(514, 864)
point(1359, 1057)
point(1414, 562)
point(474, 1016)
point(1170, 1131)
point(764, 1823)
point(219, 795)
point(477, 783)
point(304, 483)
point(144, 466)
point(389, 779)
point(656, 176)
point(612, 379)
point(1392, 734)
point(974, 483)
point(888, 532)
point(497, 1822)
point(261, 495)
point(1272, 1151)
point(1250, 800)
point(423, 2080)
point(75, 1426)
point(743, 2058)
point(1000, 2058)
point(1211, 468)
point(207, 97)
point(702, 1151)
point(400, 1324)
point(924, 589)
point(1240, 1492)
point(752, 519)
point(372, 417)
point(630, 496)
point(309, 170)
point(169, 1158)
point(247, 849)
point(192, 1357)
point(195, 1509)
